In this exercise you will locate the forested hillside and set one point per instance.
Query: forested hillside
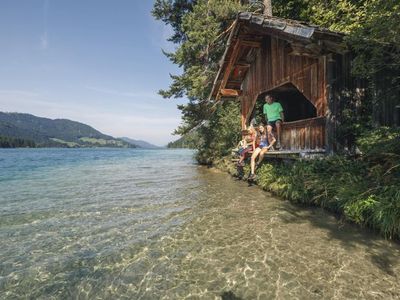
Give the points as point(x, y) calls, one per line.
point(44, 132)
point(189, 140)
point(8, 142)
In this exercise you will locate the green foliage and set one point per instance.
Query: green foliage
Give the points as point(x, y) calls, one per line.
point(220, 134)
point(200, 31)
point(189, 140)
point(375, 38)
point(9, 142)
point(171, 13)
point(380, 141)
point(200, 25)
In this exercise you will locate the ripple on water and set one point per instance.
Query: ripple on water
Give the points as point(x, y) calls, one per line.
point(103, 224)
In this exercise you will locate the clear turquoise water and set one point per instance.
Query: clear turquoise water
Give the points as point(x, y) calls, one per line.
point(71, 214)
point(137, 224)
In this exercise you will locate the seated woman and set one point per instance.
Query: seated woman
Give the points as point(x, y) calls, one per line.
point(263, 146)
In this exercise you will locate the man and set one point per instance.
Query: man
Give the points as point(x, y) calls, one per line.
point(274, 117)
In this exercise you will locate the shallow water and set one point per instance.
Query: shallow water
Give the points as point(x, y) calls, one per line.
point(106, 223)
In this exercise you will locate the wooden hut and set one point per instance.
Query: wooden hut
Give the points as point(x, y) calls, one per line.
point(307, 68)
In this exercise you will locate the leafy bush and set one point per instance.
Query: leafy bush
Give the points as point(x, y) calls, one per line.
point(220, 134)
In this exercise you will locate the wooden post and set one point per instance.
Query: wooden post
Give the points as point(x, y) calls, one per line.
point(268, 8)
point(330, 126)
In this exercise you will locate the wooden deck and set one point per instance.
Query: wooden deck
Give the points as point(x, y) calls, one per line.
point(295, 154)
point(291, 154)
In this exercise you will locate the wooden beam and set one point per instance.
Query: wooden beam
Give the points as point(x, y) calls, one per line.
point(252, 44)
point(311, 50)
point(230, 93)
point(229, 66)
point(242, 65)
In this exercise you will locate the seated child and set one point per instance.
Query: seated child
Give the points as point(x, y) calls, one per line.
point(242, 144)
point(250, 139)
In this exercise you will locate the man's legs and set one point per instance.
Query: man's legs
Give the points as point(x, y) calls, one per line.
point(278, 133)
point(271, 137)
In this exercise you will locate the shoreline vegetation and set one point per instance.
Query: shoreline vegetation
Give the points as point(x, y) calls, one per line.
point(362, 190)
point(9, 142)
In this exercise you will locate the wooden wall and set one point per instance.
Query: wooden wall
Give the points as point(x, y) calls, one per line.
point(304, 134)
point(273, 67)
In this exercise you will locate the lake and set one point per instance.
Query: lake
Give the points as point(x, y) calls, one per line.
point(151, 224)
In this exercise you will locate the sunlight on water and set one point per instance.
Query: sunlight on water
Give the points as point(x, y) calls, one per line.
point(107, 223)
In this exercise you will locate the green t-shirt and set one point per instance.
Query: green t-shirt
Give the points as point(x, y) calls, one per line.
point(273, 111)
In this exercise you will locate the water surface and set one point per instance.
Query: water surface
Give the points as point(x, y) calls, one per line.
point(136, 224)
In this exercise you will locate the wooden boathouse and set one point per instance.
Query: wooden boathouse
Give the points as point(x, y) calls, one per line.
point(306, 68)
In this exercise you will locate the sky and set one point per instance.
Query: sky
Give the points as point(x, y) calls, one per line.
point(98, 62)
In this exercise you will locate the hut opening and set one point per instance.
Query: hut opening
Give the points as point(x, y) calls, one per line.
point(295, 105)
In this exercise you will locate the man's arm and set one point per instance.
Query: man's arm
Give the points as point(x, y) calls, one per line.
point(282, 116)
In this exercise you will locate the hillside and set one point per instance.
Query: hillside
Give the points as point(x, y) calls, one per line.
point(46, 132)
point(190, 140)
point(140, 143)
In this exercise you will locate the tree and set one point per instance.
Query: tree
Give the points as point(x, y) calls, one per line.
point(200, 31)
point(201, 28)
point(267, 8)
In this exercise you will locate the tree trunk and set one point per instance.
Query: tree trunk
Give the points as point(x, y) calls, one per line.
point(268, 7)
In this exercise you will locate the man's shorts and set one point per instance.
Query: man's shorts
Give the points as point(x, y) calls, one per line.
point(273, 123)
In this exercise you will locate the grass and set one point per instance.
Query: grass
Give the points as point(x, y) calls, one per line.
point(101, 142)
point(68, 144)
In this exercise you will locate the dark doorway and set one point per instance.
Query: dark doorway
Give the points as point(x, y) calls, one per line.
point(295, 105)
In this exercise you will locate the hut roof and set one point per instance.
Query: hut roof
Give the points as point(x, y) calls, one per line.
point(247, 35)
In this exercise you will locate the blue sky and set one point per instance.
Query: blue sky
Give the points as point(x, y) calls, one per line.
point(94, 61)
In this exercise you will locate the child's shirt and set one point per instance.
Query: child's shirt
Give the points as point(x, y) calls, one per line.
point(243, 144)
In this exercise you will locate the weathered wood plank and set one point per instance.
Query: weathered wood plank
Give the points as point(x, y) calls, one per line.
point(231, 62)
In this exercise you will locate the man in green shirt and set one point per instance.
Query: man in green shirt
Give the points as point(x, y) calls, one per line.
point(274, 117)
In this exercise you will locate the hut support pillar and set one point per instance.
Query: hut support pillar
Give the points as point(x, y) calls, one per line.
point(331, 111)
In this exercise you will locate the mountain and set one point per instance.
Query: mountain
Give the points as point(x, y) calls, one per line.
point(140, 143)
point(190, 140)
point(46, 132)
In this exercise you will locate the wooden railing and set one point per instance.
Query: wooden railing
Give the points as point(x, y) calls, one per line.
point(308, 134)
